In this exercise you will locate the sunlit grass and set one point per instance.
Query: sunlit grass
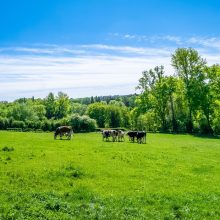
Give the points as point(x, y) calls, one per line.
point(169, 177)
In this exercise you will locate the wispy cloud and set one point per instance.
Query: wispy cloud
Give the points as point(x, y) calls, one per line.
point(84, 70)
point(149, 39)
point(212, 42)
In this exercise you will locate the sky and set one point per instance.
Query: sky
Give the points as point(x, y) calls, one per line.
point(98, 47)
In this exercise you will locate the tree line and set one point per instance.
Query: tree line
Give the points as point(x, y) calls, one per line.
point(186, 101)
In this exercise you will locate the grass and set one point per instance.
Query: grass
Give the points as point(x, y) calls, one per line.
point(169, 177)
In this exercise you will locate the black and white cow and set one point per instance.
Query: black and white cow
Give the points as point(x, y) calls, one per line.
point(114, 135)
point(106, 134)
point(121, 135)
point(139, 135)
point(132, 135)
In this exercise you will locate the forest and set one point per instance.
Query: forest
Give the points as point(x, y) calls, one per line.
point(185, 101)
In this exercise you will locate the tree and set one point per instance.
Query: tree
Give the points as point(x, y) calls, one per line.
point(22, 112)
point(77, 108)
point(40, 111)
point(50, 105)
point(155, 92)
point(171, 89)
point(189, 66)
point(62, 105)
point(113, 116)
point(209, 95)
point(97, 111)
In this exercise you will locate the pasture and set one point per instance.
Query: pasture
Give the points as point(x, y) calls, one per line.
point(169, 177)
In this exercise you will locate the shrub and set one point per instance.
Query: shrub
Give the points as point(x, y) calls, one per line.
point(82, 123)
point(18, 124)
point(4, 123)
point(47, 125)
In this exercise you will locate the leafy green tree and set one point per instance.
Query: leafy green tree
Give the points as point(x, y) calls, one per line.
point(77, 108)
point(209, 95)
point(97, 111)
point(40, 111)
point(63, 106)
point(22, 112)
point(189, 67)
point(155, 92)
point(50, 105)
point(4, 123)
point(171, 83)
point(113, 116)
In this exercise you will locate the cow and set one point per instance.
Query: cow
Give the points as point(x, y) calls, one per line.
point(114, 135)
point(141, 137)
point(121, 135)
point(132, 135)
point(106, 134)
point(63, 130)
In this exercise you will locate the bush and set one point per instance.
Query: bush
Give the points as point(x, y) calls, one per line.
point(216, 126)
point(147, 122)
point(82, 123)
point(204, 128)
point(4, 123)
point(87, 124)
point(18, 124)
point(47, 125)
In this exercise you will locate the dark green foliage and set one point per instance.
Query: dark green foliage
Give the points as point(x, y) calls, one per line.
point(4, 123)
point(17, 124)
point(81, 123)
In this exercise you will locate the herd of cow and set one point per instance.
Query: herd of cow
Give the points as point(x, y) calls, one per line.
point(119, 135)
point(107, 135)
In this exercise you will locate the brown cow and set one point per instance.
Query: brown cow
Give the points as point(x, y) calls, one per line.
point(63, 130)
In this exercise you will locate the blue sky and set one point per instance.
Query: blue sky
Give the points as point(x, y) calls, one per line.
point(97, 47)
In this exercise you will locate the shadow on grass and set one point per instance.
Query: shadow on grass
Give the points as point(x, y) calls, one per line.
point(207, 136)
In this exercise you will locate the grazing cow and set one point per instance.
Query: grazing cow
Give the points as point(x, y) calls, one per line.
point(106, 134)
point(121, 135)
point(114, 135)
point(63, 130)
point(141, 137)
point(132, 135)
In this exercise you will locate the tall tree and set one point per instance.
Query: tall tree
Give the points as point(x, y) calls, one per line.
point(209, 94)
point(62, 105)
point(155, 92)
point(189, 67)
point(97, 111)
point(50, 105)
point(171, 89)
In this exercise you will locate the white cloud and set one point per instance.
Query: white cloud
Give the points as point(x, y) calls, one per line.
point(86, 70)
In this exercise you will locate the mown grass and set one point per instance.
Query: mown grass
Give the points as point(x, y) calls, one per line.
point(169, 177)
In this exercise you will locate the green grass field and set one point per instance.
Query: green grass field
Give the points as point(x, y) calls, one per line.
point(169, 177)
